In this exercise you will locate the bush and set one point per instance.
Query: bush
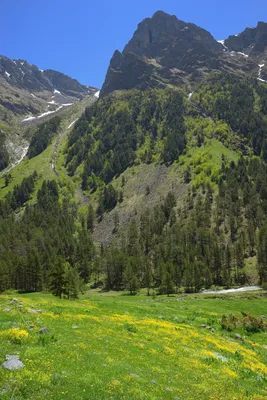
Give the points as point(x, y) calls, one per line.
point(246, 322)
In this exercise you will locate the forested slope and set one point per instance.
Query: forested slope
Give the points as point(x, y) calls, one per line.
point(211, 232)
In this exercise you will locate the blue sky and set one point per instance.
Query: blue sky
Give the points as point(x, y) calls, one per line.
point(78, 37)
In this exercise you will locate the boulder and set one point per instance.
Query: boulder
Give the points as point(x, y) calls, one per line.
point(44, 331)
point(13, 363)
point(35, 311)
point(13, 301)
point(238, 337)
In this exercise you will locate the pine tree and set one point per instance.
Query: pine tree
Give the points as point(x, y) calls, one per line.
point(71, 282)
point(90, 218)
point(57, 278)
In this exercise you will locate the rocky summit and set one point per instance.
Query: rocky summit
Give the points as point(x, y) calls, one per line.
point(165, 52)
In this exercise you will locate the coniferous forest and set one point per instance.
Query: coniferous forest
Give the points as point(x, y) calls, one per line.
point(203, 239)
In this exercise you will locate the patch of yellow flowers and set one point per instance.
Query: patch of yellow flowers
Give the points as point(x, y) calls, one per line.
point(15, 335)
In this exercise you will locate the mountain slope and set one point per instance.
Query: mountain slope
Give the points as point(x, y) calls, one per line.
point(30, 96)
point(170, 185)
point(165, 52)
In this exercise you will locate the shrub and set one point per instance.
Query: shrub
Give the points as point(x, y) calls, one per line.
point(15, 335)
point(247, 322)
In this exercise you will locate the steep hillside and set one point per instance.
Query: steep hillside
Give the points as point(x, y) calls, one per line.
point(30, 96)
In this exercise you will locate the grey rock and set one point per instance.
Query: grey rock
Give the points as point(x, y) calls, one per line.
point(238, 337)
point(168, 389)
point(153, 382)
point(13, 301)
point(213, 330)
point(220, 357)
point(44, 331)
point(203, 326)
point(35, 311)
point(75, 327)
point(135, 375)
point(7, 309)
point(12, 363)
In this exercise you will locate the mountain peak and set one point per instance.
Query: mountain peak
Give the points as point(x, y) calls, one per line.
point(159, 45)
point(161, 14)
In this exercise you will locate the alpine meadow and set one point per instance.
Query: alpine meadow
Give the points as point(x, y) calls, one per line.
point(133, 222)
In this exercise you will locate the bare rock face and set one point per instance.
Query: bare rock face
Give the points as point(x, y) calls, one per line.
point(155, 36)
point(252, 41)
point(23, 75)
point(159, 44)
point(165, 51)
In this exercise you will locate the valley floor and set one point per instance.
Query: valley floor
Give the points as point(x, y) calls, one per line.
point(114, 346)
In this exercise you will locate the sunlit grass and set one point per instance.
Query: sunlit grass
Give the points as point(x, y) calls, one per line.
point(121, 347)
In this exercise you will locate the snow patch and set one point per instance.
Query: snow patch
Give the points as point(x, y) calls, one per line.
point(57, 91)
point(51, 102)
point(97, 94)
point(30, 118)
point(49, 112)
point(222, 42)
point(23, 154)
point(73, 122)
point(242, 289)
point(18, 152)
point(41, 70)
point(7, 74)
point(33, 95)
point(242, 54)
point(190, 95)
point(259, 73)
point(22, 63)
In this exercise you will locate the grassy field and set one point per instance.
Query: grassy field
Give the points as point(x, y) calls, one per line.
point(114, 346)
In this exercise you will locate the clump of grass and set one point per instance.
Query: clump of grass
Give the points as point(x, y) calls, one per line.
point(246, 321)
point(130, 328)
point(44, 340)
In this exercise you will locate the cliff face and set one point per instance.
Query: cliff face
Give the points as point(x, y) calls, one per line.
point(166, 52)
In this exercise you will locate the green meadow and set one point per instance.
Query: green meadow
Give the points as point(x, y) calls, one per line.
point(115, 346)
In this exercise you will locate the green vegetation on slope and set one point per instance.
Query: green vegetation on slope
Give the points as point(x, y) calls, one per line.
point(117, 132)
point(205, 226)
point(43, 136)
point(241, 103)
point(4, 157)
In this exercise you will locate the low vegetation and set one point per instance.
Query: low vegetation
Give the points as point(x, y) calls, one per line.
point(116, 346)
